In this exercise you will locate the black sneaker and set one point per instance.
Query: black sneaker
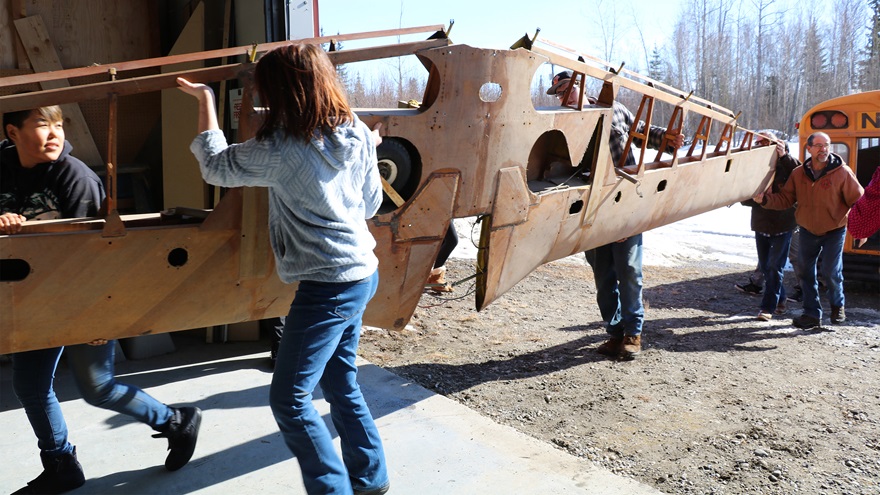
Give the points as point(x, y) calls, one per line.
point(749, 288)
point(273, 352)
point(182, 431)
point(806, 322)
point(60, 474)
point(798, 295)
point(838, 315)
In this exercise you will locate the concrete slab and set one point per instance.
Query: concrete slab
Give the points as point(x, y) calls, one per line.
point(433, 445)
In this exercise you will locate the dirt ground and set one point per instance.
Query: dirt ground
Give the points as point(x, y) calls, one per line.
point(717, 402)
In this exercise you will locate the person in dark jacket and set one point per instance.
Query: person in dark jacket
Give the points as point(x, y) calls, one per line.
point(773, 232)
point(40, 179)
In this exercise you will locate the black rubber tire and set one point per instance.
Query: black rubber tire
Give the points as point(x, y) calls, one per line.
point(395, 164)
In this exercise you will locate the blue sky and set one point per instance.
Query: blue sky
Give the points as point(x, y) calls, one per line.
point(498, 24)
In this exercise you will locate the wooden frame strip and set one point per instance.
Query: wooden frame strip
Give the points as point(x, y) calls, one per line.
point(134, 85)
point(206, 55)
point(639, 77)
point(691, 104)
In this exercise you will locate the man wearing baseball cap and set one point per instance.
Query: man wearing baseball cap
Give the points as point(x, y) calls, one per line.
point(617, 267)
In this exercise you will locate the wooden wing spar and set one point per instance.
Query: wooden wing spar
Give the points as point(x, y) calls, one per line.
point(540, 179)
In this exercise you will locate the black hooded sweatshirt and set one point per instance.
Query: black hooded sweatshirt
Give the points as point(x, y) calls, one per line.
point(64, 188)
point(775, 222)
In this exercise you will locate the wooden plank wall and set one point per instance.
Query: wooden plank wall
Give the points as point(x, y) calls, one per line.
point(44, 58)
point(183, 184)
point(86, 32)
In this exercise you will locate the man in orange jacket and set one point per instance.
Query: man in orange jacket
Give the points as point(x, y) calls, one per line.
point(824, 189)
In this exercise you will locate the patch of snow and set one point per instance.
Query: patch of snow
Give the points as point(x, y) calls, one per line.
point(719, 237)
point(468, 235)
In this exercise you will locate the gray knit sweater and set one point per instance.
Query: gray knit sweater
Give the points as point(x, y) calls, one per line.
point(320, 194)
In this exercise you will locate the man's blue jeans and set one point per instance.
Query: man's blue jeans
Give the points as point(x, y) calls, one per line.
point(33, 375)
point(757, 277)
point(617, 269)
point(830, 246)
point(772, 254)
point(318, 347)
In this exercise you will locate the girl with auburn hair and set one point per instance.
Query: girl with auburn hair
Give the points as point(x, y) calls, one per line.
point(318, 161)
point(299, 85)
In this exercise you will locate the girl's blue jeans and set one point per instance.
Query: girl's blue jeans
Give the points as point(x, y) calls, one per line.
point(318, 347)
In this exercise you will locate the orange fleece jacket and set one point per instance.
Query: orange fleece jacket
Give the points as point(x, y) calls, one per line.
point(822, 204)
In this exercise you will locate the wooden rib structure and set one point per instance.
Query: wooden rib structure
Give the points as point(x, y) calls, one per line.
point(517, 167)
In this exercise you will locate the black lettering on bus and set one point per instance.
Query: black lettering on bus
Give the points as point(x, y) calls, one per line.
point(875, 122)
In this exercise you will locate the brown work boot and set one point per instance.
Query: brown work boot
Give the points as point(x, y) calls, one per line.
point(632, 345)
point(610, 347)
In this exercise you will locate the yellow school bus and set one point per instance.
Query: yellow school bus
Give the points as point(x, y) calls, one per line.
point(853, 124)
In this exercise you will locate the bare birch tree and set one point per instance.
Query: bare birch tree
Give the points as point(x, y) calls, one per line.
point(606, 23)
point(770, 59)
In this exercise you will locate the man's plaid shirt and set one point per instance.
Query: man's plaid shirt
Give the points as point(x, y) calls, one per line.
point(621, 122)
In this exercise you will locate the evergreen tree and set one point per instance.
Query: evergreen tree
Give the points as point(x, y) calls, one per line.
point(656, 66)
point(816, 76)
point(869, 73)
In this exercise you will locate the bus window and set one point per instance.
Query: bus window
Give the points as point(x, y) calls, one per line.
point(842, 150)
point(868, 158)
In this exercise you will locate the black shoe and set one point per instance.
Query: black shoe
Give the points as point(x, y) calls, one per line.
point(798, 295)
point(375, 491)
point(749, 288)
point(780, 308)
point(838, 315)
point(806, 322)
point(182, 431)
point(60, 474)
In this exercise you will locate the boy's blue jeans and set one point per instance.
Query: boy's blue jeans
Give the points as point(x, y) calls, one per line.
point(33, 376)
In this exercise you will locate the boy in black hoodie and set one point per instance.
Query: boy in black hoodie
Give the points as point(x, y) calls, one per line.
point(39, 179)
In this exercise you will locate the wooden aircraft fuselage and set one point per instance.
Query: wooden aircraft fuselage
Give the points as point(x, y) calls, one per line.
point(517, 167)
